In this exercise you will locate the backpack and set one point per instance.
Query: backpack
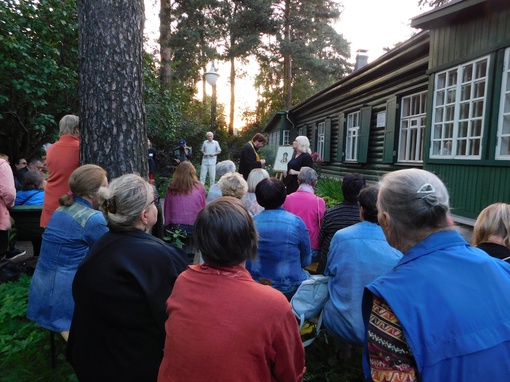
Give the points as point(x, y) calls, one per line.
point(309, 300)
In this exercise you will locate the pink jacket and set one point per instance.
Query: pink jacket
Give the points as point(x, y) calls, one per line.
point(7, 194)
point(308, 207)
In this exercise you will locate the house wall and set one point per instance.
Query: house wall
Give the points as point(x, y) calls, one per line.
point(474, 184)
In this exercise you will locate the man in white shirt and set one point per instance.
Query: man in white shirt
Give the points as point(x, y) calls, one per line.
point(210, 149)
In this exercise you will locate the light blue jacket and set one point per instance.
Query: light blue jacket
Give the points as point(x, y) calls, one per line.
point(70, 233)
point(357, 256)
point(284, 249)
point(453, 303)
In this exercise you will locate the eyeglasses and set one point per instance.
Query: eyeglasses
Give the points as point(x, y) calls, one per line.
point(155, 201)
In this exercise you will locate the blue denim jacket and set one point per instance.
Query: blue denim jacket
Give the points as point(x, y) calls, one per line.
point(284, 249)
point(70, 233)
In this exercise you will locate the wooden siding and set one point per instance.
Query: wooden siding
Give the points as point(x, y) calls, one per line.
point(472, 188)
point(452, 44)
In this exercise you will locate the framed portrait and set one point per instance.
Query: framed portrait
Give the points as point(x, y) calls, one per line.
point(283, 156)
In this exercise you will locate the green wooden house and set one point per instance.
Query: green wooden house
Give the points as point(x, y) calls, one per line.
point(439, 101)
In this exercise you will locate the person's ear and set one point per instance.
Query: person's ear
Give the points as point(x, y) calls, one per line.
point(385, 222)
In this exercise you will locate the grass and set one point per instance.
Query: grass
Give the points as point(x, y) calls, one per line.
point(25, 347)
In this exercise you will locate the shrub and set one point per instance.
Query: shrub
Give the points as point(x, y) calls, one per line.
point(330, 190)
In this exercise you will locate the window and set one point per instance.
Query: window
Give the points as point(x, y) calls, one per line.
point(503, 142)
point(286, 137)
point(458, 113)
point(351, 145)
point(321, 133)
point(301, 131)
point(412, 128)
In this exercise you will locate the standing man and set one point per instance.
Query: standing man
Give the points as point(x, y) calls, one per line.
point(152, 161)
point(210, 149)
point(250, 157)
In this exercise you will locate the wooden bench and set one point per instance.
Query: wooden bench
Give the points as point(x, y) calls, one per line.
point(27, 220)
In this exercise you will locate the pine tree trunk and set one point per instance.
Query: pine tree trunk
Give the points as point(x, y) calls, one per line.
point(164, 40)
point(112, 111)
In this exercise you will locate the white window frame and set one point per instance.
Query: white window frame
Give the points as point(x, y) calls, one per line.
point(286, 137)
point(460, 99)
point(412, 128)
point(503, 139)
point(300, 131)
point(321, 136)
point(352, 136)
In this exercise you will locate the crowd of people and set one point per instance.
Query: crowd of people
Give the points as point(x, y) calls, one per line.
point(403, 284)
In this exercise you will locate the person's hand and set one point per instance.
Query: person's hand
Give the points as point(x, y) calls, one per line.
point(284, 174)
point(262, 162)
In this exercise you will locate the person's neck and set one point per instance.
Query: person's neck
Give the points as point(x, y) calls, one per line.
point(496, 239)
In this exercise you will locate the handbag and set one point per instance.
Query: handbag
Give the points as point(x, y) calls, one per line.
point(309, 300)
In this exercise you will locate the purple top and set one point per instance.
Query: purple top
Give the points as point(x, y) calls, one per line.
point(183, 209)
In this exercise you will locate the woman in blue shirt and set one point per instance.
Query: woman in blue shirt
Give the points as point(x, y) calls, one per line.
point(32, 193)
point(74, 227)
point(284, 244)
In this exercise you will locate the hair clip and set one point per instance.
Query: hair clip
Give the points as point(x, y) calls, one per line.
point(70, 194)
point(110, 206)
point(427, 188)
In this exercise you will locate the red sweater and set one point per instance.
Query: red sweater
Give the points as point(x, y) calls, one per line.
point(223, 326)
point(62, 158)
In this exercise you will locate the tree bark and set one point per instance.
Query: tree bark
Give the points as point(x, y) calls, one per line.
point(112, 111)
point(287, 60)
point(232, 96)
point(164, 41)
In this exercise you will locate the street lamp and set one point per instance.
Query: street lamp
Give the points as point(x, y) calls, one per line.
point(211, 76)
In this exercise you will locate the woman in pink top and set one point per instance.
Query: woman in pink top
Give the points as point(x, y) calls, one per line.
point(185, 198)
point(307, 206)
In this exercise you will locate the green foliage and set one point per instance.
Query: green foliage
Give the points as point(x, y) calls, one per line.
point(330, 190)
point(175, 237)
point(25, 347)
point(38, 71)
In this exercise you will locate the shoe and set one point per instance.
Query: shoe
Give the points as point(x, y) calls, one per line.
point(15, 253)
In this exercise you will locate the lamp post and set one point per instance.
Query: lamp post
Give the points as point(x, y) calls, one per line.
point(211, 76)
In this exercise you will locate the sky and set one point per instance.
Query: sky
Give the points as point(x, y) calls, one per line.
point(367, 24)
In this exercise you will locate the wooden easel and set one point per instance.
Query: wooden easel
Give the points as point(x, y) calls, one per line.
point(278, 174)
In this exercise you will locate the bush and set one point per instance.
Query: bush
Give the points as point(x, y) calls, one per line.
point(330, 190)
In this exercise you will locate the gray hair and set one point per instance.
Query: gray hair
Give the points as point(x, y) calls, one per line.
point(233, 184)
point(256, 175)
point(417, 202)
point(69, 124)
point(307, 175)
point(303, 144)
point(124, 200)
point(225, 167)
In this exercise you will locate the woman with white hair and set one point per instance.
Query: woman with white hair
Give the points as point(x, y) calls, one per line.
point(120, 289)
point(222, 168)
point(250, 199)
point(443, 312)
point(301, 158)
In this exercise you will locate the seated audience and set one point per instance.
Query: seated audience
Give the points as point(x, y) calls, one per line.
point(73, 228)
point(7, 198)
point(284, 244)
point(120, 289)
point(233, 184)
point(308, 207)
point(492, 231)
point(443, 312)
point(357, 255)
point(340, 216)
point(223, 326)
point(250, 199)
point(36, 164)
point(185, 198)
point(32, 192)
point(222, 168)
